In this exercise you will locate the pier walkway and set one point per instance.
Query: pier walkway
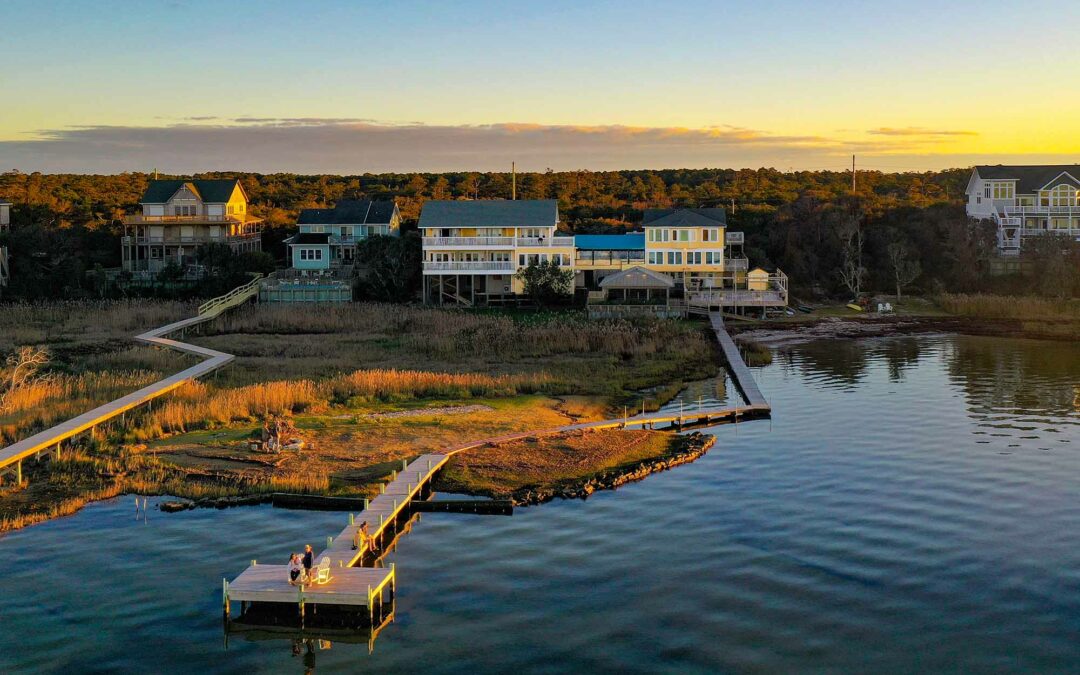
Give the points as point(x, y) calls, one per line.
point(269, 583)
point(50, 441)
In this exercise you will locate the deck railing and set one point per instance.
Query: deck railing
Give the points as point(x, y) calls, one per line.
point(475, 266)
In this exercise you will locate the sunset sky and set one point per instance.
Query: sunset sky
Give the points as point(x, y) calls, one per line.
point(348, 87)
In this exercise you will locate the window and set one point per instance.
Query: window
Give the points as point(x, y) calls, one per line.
point(1062, 195)
point(674, 257)
point(693, 257)
point(1003, 190)
point(656, 258)
point(986, 191)
point(685, 235)
point(710, 234)
point(714, 257)
point(658, 235)
point(311, 254)
point(344, 231)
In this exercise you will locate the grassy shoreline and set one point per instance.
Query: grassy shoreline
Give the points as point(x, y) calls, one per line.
point(336, 371)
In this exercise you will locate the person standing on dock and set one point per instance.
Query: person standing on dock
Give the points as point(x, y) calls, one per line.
point(309, 561)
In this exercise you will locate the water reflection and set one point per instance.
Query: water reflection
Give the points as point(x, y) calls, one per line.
point(910, 507)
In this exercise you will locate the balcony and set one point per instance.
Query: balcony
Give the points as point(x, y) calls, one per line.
point(468, 242)
point(736, 264)
point(496, 242)
point(734, 237)
point(531, 242)
point(194, 239)
point(469, 267)
point(1040, 210)
point(141, 219)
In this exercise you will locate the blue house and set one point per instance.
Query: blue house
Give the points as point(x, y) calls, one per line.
point(327, 238)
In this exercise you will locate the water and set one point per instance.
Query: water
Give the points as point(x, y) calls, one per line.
point(913, 505)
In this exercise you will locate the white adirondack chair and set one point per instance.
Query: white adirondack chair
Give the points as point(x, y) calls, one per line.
point(322, 572)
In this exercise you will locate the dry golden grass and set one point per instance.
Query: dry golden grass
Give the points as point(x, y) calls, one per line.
point(391, 385)
point(82, 321)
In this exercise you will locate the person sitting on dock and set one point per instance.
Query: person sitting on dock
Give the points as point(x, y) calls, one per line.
point(294, 568)
point(309, 561)
point(361, 536)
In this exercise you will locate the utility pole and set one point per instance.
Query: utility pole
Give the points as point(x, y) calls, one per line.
point(513, 181)
point(853, 173)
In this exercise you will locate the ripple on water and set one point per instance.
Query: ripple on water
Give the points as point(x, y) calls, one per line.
point(901, 512)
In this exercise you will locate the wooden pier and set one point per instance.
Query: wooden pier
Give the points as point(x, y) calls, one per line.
point(49, 443)
point(361, 587)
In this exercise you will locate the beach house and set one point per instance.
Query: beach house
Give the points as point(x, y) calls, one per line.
point(327, 238)
point(1026, 201)
point(178, 216)
point(473, 249)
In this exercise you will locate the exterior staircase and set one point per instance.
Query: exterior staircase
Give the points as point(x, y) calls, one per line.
point(233, 298)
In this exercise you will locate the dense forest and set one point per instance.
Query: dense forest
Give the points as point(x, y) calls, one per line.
point(893, 229)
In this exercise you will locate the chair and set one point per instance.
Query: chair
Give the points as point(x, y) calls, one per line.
point(322, 572)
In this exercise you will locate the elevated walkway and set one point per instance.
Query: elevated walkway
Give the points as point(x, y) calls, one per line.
point(49, 443)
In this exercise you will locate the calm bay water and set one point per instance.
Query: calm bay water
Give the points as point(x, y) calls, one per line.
point(913, 505)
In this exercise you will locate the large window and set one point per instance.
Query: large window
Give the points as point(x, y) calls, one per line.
point(1003, 190)
point(674, 257)
point(311, 254)
point(1062, 195)
point(710, 234)
point(693, 257)
point(658, 235)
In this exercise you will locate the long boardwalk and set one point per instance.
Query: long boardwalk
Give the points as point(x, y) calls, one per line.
point(269, 583)
point(49, 442)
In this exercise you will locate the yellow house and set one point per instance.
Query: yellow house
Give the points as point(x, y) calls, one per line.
point(178, 216)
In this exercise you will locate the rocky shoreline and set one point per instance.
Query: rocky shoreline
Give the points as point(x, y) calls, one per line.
point(688, 448)
point(775, 333)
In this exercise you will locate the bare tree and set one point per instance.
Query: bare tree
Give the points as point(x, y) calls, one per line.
point(22, 368)
point(852, 272)
point(905, 268)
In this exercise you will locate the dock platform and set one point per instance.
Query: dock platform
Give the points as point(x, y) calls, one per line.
point(353, 586)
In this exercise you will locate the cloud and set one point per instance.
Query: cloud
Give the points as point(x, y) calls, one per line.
point(358, 145)
point(919, 132)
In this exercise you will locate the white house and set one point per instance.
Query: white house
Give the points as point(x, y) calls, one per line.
point(1026, 201)
point(473, 249)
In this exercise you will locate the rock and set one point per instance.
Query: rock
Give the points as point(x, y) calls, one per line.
point(173, 507)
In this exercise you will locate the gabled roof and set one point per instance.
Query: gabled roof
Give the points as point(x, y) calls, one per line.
point(350, 212)
point(309, 238)
point(684, 218)
point(637, 277)
point(490, 213)
point(1031, 179)
point(217, 191)
point(631, 241)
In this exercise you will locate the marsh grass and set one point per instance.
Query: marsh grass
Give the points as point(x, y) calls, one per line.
point(1009, 307)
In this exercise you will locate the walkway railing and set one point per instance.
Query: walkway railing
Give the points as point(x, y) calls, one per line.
point(49, 442)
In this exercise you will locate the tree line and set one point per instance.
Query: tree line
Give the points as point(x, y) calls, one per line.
point(905, 230)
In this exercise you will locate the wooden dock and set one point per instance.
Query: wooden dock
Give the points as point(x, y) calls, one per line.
point(49, 443)
point(739, 371)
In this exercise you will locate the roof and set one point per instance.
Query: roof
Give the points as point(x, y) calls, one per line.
point(310, 238)
point(490, 213)
point(757, 272)
point(4, 201)
point(684, 218)
point(637, 277)
point(349, 212)
point(1032, 178)
point(217, 191)
point(631, 241)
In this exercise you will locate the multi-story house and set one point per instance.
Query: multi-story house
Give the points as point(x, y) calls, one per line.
point(693, 249)
point(473, 249)
point(5, 225)
point(178, 216)
point(1026, 201)
point(327, 238)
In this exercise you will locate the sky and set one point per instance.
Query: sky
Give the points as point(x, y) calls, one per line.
point(355, 86)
